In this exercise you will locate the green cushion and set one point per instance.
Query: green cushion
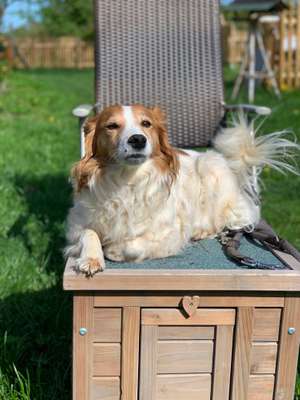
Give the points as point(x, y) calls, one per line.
point(205, 254)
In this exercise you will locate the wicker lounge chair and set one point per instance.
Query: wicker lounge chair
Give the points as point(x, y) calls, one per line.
point(165, 53)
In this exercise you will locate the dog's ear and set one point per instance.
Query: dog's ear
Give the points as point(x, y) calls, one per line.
point(89, 133)
point(83, 170)
point(159, 115)
point(168, 153)
point(91, 137)
point(95, 149)
point(90, 125)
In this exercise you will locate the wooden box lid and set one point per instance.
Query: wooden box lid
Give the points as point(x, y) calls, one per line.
point(202, 266)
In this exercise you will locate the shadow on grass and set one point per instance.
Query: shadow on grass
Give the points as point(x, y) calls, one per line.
point(41, 226)
point(38, 324)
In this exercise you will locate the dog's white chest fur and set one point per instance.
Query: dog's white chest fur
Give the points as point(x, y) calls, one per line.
point(132, 209)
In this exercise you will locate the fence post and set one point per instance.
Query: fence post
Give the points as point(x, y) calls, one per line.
point(297, 68)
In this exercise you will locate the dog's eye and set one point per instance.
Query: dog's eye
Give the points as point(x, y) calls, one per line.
point(146, 124)
point(112, 126)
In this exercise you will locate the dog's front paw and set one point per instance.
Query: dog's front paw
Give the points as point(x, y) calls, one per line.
point(89, 266)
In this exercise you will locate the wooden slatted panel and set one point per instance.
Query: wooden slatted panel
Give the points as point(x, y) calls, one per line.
point(176, 317)
point(82, 314)
point(105, 389)
point(106, 359)
point(130, 352)
point(266, 324)
point(107, 325)
point(263, 358)
point(282, 61)
point(183, 387)
point(243, 342)
point(222, 362)
point(148, 364)
point(185, 332)
point(183, 357)
point(289, 72)
point(297, 67)
point(288, 350)
point(64, 52)
point(289, 36)
point(261, 387)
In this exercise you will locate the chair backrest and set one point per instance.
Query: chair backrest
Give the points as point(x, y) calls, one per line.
point(166, 53)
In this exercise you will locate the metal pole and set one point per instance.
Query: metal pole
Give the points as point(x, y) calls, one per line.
point(251, 78)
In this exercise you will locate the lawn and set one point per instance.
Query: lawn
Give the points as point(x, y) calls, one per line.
point(39, 142)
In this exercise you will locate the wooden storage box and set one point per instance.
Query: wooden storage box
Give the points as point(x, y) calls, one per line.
point(133, 339)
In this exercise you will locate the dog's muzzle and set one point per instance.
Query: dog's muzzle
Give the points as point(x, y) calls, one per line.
point(137, 142)
point(134, 147)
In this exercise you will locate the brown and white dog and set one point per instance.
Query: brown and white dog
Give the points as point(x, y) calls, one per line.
point(136, 197)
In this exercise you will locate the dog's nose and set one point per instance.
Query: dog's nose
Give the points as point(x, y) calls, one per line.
point(137, 142)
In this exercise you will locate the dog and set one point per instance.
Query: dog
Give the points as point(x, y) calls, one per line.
point(136, 197)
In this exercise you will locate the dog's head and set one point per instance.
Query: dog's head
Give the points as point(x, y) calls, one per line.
point(129, 136)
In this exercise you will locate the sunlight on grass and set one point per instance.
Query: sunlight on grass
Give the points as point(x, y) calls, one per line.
point(16, 389)
point(13, 385)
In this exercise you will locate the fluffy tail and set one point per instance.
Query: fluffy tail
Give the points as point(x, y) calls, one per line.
point(247, 154)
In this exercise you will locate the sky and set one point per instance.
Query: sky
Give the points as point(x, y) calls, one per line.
point(13, 16)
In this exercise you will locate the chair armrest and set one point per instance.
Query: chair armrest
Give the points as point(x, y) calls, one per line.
point(82, 111)
point(249, 108)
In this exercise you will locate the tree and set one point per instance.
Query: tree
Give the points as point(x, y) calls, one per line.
point(67, 17)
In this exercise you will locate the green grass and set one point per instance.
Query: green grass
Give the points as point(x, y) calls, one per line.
point(39, 142)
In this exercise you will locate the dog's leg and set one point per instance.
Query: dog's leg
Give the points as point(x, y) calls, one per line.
point(146, 247)
point(219, 197)
point(91, 259)
point(131, 251)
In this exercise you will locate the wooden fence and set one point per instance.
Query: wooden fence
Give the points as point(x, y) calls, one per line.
point(282, 42)
point(64, 52)
point(69, 52)
point(233, 43)
point(289, 64)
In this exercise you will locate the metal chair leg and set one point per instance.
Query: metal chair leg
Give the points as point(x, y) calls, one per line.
point(252, 60)
point(239, 79)
point(267, 64)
